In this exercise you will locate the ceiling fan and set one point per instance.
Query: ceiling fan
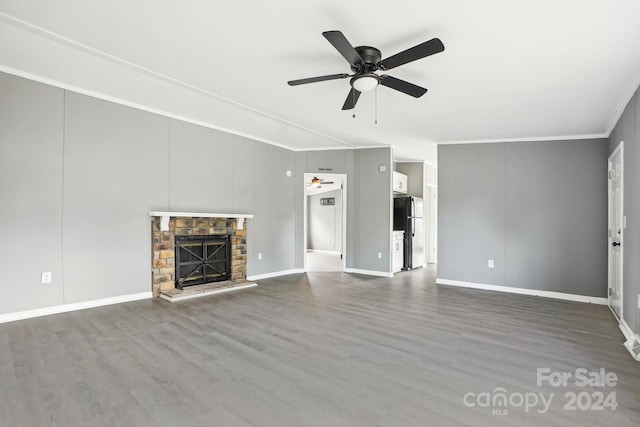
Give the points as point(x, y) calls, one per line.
point(317, 182)
point(366, 60)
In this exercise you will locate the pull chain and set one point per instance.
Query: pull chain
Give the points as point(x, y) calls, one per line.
point(376, 119)
point(353, 97)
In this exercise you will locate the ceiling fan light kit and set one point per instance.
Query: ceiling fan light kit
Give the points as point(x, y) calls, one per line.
point(366, 60)
point(365, 82)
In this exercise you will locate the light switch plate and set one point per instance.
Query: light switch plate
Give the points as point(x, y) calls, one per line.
point(46, 277)
point(490, 264)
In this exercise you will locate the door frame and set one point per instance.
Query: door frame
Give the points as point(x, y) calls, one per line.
point(618, 150)
point(307, 176)
point(431, 191)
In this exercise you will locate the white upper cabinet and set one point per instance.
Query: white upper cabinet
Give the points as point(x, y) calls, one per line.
point(399, 182)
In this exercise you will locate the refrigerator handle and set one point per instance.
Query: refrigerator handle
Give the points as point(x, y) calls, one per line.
point(413, 217)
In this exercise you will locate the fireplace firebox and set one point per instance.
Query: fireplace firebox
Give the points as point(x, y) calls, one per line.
point(202, 259)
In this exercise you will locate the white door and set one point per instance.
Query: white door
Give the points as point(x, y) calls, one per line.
point(616, 229)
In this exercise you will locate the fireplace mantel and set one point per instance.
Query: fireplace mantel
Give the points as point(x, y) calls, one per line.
point(166, 216)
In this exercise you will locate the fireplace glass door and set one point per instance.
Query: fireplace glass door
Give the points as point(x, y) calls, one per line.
point(202, 259)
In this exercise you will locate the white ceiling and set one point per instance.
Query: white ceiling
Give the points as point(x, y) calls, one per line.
point(512, 70)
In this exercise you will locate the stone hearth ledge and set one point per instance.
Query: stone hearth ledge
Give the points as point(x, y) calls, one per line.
point(166, 217)
point(197, 291)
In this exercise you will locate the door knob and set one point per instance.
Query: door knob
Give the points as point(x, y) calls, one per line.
point(615, 244)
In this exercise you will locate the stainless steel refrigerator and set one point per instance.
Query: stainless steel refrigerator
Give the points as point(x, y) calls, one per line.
point(408, 216)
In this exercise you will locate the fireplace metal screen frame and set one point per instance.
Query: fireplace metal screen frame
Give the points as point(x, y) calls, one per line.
point(205, 261)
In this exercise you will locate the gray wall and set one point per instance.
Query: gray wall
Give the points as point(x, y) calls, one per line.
point(628, 130)
point(114, 172)
point(539, 209)
point(79, 175)
point(214, 171)
point(374, 204)
point(368, 202)
point(200, 172)
point(31, 134)
point(471, 212)
point(275, 214)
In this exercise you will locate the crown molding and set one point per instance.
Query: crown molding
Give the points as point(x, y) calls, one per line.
point(622, 104)
point(529, 139)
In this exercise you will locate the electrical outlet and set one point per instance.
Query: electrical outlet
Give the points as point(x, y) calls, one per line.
point(259, 255)
point(490, 264)
point(46, 277)
point(379, 255)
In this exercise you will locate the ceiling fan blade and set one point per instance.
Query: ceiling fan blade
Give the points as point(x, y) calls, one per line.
point(420, 51)
point(402, 86)
point(352, 98)
point(317, 79)
point(342, 45)
point(327, 182)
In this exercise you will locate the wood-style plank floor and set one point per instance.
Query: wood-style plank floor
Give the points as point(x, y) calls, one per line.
point(322, 349)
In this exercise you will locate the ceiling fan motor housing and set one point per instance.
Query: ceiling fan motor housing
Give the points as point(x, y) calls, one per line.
point(371, 57)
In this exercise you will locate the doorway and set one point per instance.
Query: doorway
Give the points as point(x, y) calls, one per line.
point(616, 229)
point(324, 222)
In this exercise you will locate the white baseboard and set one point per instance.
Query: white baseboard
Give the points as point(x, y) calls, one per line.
point(64, 308)
point(626, 330)
point(524, 291)
point(320, 251)
point(632, 341)
point(368, 272)
point(301, 270)
point(276, 274)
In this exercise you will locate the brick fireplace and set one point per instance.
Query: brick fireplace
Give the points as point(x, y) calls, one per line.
point(165, 228)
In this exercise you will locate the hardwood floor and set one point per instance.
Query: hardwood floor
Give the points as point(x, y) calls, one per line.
point(323, 349)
